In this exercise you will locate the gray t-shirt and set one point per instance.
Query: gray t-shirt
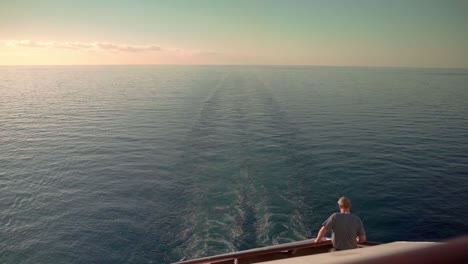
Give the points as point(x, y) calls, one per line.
point(345, 228)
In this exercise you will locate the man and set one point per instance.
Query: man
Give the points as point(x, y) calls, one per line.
point(347, 229)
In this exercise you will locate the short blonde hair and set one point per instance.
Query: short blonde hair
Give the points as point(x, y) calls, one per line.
point(344, 202)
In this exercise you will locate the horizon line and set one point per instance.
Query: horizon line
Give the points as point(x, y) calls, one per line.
point(244, 65)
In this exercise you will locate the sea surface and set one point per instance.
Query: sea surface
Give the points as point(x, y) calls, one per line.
point(151, 164)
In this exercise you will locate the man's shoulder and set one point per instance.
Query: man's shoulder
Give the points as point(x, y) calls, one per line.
point(356, 219)
point(334, 215)
point(347, 216)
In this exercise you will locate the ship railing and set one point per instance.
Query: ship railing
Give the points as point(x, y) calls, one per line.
point(287, 250)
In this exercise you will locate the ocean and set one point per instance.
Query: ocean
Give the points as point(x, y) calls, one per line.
point(151, 164)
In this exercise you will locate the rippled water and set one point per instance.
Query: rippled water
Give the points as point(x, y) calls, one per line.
point(149, 164)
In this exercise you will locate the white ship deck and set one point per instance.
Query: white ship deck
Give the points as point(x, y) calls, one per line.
point(302, 252)
point(357, 255)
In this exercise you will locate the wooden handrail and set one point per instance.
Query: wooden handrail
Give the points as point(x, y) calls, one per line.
point(264, 251)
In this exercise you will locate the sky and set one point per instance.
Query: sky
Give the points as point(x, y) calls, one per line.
point(389, 33)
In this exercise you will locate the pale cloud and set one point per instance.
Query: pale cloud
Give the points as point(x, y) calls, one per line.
point(97, 46)
point(74, 52)
point(126, 48)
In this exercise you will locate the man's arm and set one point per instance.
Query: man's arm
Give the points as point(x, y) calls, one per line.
point(361, 234)
point(320, 234)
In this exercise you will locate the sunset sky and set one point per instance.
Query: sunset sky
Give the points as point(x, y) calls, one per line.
point(410, 33)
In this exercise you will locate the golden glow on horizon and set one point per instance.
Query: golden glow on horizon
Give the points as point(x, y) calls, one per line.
point(20, 52)
point(335, 33)
point(31, 52)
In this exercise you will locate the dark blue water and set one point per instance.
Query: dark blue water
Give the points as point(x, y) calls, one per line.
point(149, 164)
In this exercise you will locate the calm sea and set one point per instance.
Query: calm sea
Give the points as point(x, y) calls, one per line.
point(150, 164)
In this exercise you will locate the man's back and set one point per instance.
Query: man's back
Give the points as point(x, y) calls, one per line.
point(346, 227)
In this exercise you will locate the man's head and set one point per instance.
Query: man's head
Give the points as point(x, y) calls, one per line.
point(344, 203)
